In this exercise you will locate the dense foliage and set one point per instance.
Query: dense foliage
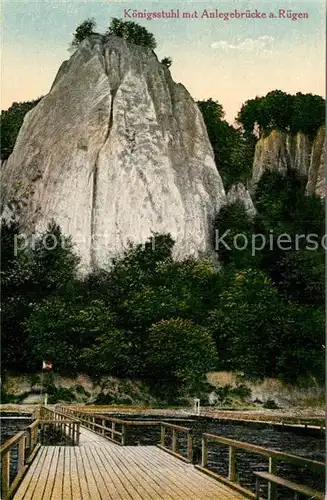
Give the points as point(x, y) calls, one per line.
point(10, 122)
point(233, 151)
point(132, 32)
point(85, 29)
point(279, 110)
point(169, 322)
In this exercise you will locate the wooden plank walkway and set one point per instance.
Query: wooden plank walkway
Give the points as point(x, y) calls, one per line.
point(101, 470)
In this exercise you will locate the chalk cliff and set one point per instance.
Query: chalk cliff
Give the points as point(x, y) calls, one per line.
point(116, 150)
point(238, 192)
point(282, 151)
point(316, 174)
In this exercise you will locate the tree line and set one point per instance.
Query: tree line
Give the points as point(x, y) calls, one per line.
point(282, 111)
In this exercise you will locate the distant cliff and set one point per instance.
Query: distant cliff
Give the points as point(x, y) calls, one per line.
point(116, 151)
point(282, 151)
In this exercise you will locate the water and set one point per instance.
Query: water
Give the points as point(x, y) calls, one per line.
point(11, 423)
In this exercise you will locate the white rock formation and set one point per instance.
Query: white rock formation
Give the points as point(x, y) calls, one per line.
point(238, 192)
point(114, 152)
point(317, 175)
point(282, 151)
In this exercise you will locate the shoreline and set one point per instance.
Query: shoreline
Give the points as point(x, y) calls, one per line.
point(295, 415)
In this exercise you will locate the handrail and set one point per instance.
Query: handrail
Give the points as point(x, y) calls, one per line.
point(267, 452)
point(107, 417)
point(57, 415)
point(88, 419)
point(174, 448)
point(273, 456)
point(28, 442)
point(11, 442)
point(8, 488)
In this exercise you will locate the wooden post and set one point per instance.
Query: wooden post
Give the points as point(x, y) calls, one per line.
point(162, 435)
point(103, 425)
point(34, 437)
point(174, 444)
point(232, 464)
point(28, 442)
point(123, 434)
point(113, 428)
point(5, 474)
point(257, 488)
point(272, 486)
point(204, 460)
point(190, 445)
point(21, 453)
point(77, 433)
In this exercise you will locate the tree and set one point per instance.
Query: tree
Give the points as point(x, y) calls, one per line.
point(233, 229)
point(59, 330)
point(84, 30)
point(233, 156)
point(285, 209)
point(11, 121)
point(279, 110)
point(167, 61)
point(302, 276)
point(308, 113)
point(55, 263)
point(112, 352)
point(277, 107)
point(132, 32)
point(301, 339)
point(251, 118)
point(16, 273)
point(243, 323)
point(179, 353)
point(136, 268)
point(179, 289)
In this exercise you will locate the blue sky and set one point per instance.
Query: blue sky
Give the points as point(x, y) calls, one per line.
point(230, 61)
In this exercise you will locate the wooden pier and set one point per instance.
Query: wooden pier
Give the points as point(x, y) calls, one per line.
point(93, 458)
point(99, 469)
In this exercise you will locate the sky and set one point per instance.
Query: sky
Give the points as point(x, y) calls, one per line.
point(228, 60)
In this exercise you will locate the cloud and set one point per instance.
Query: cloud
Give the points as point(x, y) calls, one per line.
point(262, 43)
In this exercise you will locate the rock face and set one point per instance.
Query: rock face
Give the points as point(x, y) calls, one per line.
point(282, 151)
point(238, 192)
point(117, 150)
point(316, 175)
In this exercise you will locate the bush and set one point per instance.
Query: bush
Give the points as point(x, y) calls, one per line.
point(179, 353)
point(270, 404)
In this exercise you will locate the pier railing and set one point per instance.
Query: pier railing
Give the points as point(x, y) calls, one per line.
point(117, 429)
point(113, 429)
point(318, 468)
point(28, 443)
point(172, 447)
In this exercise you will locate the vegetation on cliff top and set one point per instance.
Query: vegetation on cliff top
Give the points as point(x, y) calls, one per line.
point(282, 111)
